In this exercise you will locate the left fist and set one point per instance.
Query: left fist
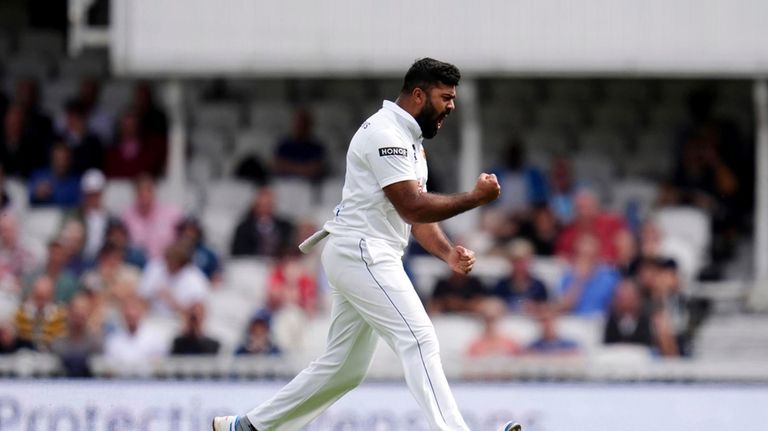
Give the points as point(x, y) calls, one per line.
point(461, 260)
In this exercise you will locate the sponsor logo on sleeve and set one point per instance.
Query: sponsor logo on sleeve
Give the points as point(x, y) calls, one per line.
point(393, 151)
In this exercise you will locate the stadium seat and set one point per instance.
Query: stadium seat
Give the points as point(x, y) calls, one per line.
point(19, 195)
point(635, 191)
point(552, 142)
point(690, 224)
point(426, 270)
point(560, 116)
point(295, 198)
point(626, 90)
point(596, 170)
point(118, 195)
point(116, 95)
point(516, 90)
point(247, 276)
point(490, 269)
point(668, 116)
point(257, 141)
point(621, 117)
point(586, 331)
point(689, 257)
point(229, 194)
point(618, 356)
point(84, 65)
point(39, 42)
point(550, 270)
point(41, 223)
point(57, 93)
point(27, 67)
point(579, 91)
point(274, 117)
point(231, 310)
point(522, 329)
point(219, 225)
point(455, 332)
point(222, 116)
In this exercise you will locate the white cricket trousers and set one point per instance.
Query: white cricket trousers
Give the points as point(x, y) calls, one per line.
point(371, 297)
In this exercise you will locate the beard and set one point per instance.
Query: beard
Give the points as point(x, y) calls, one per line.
point(429, 120)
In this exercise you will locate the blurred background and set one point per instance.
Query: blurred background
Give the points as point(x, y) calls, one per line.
point(160, 161)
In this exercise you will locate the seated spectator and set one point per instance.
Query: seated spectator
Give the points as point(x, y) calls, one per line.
point(57, 184)
point(260, 232)
point(135, 347)
point(87, 149)
point(591, 219)
point(77, 347)
point(550, 342)
point(492, 342)
point(562, 190)
point(134, 152)
point(292, 284)
point(628, 321)
point(627, 254)
point(173, 284)
point(151, 224)
point(20, 152)
point(117, 234)
point(37, 123)
point(588, 285)
point(524, 185)
point(193, 341)
point(300, 155)
point(190, 230)
point(669, 308)
point(92, 213)
point(541, 230)
point(456, 293)
point(39, 320)
point(521, 291)
point(9, 341)
point(153, 119)
point(111, 282)
point(55, 267)
point(15, 259)
point(258, 338)
point(72, 237)
point(99, 121)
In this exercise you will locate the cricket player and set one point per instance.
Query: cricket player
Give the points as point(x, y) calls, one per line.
point(384, 202)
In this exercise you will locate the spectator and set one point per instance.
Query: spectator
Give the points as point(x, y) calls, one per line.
point(193, 341)
point(587, 287)
point(72, 237)
point(87, 149)
point(100, 122)
point(151, 224)
point(524, 185)
point(260, 232)
point(134, 152)
point(20, 152)
point(300, 155)
point(258, 339)
point(39, 320)
point(153, 120)
point(669, 308)
point(456, 293)
point(550, 342)
point(135, 347)
point(190, 230)
point(9, 341)
point(628, 321)
point(111, 282)
point(291, 284)
point(15, 259)
point(57, 184)
point(55, 267)
point(173, 284)
point(521, 291)
point(91, 212)
point(541, 230)
point(563, 189)
point(117, 234)
point(590, 219)
point(38, 125)
point(492, 342)
point(81, 343)
point(627, 255)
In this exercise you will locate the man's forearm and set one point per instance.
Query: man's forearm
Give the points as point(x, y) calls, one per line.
point(431, 237)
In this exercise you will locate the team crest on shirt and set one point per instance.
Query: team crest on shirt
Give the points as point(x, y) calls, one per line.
point(393, 151)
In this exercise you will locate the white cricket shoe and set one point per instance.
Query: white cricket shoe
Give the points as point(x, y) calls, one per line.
point(224, 423)
point(511, 426)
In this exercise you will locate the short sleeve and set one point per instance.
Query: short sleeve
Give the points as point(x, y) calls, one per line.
point(390, 159)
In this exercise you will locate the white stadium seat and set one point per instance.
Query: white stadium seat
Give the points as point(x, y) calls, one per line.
point(41, 224)
point(219, 225)
point(229, 194)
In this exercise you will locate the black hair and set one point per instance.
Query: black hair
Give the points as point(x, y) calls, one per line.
point(428, 72)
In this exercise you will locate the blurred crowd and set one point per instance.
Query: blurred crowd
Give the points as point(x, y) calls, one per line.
point(105, 275)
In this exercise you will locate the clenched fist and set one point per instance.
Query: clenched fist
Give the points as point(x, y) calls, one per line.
point(487, 188)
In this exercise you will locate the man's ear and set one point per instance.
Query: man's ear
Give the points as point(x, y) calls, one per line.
point(419, 96)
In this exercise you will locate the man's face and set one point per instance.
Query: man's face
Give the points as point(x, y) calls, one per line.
point(438, 103)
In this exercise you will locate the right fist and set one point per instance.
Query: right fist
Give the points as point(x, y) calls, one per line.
point(487, 188)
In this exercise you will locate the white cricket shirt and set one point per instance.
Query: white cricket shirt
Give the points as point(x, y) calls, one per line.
point(386, 149)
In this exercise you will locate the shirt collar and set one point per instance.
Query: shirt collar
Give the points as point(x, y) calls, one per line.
point(407, 118)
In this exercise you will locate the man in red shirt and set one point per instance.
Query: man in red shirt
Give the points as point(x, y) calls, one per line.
point(591, 219)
